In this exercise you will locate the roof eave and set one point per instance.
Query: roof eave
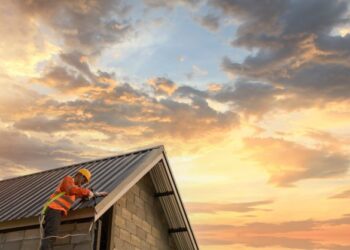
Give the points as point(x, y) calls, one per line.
point(34, 220)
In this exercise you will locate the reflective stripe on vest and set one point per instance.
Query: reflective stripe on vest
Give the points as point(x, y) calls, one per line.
point(60, 199)
point(64, 202)
point(65, 197)
point(54, 198)
point(61, 204)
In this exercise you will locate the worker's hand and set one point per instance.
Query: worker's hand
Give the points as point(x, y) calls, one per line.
point(101, 194)
point(91, 195)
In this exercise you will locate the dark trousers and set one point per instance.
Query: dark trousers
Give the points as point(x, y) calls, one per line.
point(51, 225)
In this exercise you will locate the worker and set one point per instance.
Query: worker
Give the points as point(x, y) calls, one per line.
point(61, 201)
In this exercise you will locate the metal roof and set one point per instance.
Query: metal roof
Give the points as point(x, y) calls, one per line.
point(23, 197)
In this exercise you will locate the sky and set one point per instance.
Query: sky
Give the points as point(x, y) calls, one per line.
point(249, 97)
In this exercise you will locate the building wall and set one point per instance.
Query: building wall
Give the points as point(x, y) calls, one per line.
point(139, 222)
point(29, 239)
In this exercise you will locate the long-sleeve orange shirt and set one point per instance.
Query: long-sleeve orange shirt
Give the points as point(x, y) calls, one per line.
point(70, 188)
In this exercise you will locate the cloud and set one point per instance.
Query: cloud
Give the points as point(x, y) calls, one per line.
point(19, 149)
point(171, 4)
point(41, 124)
point(342, 195)
point(258, 228)
point(10, 169)
point(250, 97)
point(196, 72)
point(301, 234)
point(162, 85)
point(270, 241)
point(14, 108)
point(299, 55)
point(130, 112)
point(88, 25)
point(71, 74)
point(23, 44)
point(242, 207)
point(344, 220)
point(188, 91)
point(210, 21)
point(327, 81)
point(245, 97)
point(63, 79)
point(288, 162)
point(79, 62)
point(261, 242)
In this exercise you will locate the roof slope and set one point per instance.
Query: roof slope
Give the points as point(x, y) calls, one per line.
point(22, 198)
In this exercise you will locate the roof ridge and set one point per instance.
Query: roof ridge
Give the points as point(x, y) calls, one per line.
point(133, 151)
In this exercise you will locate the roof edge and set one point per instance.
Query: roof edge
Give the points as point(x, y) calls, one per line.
point(142, 169)
point(133, 151)
point(34, 220)
point(179, 200)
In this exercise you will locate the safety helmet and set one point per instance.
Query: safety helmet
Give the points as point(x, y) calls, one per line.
point(86, 173)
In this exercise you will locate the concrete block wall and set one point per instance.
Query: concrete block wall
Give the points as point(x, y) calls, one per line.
point(139, 222)
point(30, 239)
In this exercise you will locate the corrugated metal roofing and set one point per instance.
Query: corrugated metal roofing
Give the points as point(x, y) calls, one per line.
point(173, 208)
point(24, 196)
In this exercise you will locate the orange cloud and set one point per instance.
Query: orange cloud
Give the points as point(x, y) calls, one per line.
point(308, 234)
point(288, 162)
point(243, 207)
point(162, 86)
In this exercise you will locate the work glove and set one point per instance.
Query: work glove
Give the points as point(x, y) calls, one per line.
point(91, 195)
point(101, 194)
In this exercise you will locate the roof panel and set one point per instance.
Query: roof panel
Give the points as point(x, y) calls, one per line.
point(23, 197)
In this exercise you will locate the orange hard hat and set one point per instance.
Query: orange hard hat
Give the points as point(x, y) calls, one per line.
point(86, 173)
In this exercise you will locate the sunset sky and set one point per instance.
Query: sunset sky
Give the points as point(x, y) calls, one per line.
point(249, 97)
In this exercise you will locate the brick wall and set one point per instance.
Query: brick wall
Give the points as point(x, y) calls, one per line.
point(29, 239)
point(139, 221)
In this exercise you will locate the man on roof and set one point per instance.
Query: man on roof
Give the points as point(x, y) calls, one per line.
point(61, 201)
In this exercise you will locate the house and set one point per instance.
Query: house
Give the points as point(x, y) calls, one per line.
point(143, 209)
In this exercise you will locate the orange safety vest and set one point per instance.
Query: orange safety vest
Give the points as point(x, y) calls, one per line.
point(63, 202)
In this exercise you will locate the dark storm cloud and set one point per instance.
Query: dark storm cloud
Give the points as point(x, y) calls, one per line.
point(87, 25)
point(242, 207)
